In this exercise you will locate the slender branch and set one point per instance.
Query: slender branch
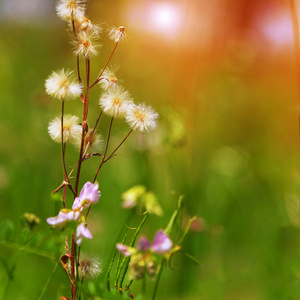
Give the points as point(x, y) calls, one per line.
point(112, 53)
point(73, 250)
point(119, 145)
point(160, 268)
point(84, 123)
point(106, 147)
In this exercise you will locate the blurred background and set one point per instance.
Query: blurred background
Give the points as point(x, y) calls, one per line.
point(222, 76)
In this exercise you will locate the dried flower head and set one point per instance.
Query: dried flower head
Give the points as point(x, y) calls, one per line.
point(117, 34)
point(84, 24)
point(85, 44)
point(93, 140)
point(115, 102)
point(70, 128)
point(69, 10)
point(142, 117)
point(60, 86)
point(109, 79)
point(89, 267)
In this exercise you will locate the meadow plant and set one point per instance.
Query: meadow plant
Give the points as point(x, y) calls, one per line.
point(115, 102)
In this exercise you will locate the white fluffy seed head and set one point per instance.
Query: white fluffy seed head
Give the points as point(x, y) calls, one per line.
point(115, 102)
point(69, 10)
point(70, 128)
point(109, 79)
point(89, 267)
point(117, 34)
point(85, 44)
point(141, 117)
point(61, 86)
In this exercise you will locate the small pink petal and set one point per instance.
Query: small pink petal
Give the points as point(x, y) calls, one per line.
point(82, 232)
point(162, 243)
point(123, 249)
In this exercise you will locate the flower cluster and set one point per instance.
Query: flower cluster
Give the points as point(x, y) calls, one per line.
point(142, 258)
point(89, 195)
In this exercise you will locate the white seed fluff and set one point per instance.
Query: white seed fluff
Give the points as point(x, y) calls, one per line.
point(60, 86)
point(142, 117)
point(115, 102)
point(70, 128)
point(69, 10)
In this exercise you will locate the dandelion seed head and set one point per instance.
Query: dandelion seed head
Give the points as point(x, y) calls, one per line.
point(109, 80)
point(60, 86)
point(89, 267)
point(115, 102)
point(85, 44)
point(70, 128)
point(69, 10)
point(117, 34)
point(142, 117)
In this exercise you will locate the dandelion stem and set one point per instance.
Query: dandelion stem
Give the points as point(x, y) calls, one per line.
point(112, 53)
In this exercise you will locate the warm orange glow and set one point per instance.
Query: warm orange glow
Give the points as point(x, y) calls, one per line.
point(163, 18)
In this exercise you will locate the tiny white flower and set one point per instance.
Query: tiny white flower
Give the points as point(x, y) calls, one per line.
point(70, 10)
point(115, 102)
point(142, 117)
point(60, 86)
point(117, 34)
point(70, 128)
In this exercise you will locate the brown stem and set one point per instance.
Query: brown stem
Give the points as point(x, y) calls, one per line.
point(106, 147)
point(73, 287)
point(112, 53)
point(84, 123)
point(119, 145)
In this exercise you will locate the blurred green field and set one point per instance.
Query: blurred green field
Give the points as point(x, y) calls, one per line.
point(227, 140)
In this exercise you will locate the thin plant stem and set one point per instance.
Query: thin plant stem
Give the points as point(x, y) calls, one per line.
point(106, 147)
point(73, 258)
point(84, 123)
point(131, 245)
point(112, 53)
point(119, 146)
point(47, 283)
point(160, 268)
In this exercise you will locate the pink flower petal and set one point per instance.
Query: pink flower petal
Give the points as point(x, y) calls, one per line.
point(162, 243)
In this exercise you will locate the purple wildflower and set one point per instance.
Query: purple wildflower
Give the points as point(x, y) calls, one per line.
point(82, 232)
